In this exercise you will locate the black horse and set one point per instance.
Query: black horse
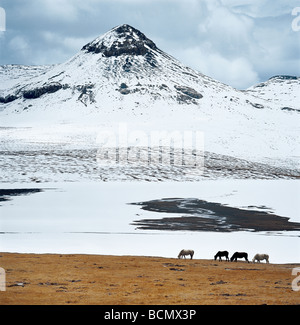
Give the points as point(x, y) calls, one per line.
point(237, 255)
point(222, 253)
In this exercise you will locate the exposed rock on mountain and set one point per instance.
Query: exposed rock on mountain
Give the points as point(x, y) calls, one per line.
point(124, 40)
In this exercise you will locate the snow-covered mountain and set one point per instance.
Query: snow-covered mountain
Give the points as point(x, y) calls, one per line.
point(122, 77)
point(122, 68)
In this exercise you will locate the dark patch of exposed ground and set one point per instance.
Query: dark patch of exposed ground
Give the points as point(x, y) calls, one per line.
point(6, 194)
point(200, 215)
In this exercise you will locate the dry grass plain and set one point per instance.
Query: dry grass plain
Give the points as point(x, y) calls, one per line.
point(52, 279)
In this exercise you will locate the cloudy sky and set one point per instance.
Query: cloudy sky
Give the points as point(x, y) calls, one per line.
point(239, 42)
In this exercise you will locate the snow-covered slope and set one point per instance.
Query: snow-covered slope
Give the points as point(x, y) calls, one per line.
point(14, 76)
point(281, 90)
point(123, 78)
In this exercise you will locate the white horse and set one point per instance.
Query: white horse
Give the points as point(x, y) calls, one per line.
point(260, 257)
point(185, 252)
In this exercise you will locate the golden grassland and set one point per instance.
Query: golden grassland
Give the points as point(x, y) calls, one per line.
point(53, 279)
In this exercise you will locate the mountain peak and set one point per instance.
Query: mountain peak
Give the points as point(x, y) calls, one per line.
point(123, 39)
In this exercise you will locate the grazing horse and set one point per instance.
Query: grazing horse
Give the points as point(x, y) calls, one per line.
point(261, 257)
point(185, 252)
point(222, 253)
point(237, 255)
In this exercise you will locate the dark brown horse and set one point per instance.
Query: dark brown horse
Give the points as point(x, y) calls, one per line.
point(237, 255)
point(222, 253)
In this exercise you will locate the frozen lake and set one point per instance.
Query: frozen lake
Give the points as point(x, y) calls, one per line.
point(96, 218)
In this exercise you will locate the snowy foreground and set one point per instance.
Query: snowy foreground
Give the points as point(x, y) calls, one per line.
point(96, 218)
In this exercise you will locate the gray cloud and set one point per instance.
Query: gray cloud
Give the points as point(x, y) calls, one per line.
point(238, 42)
